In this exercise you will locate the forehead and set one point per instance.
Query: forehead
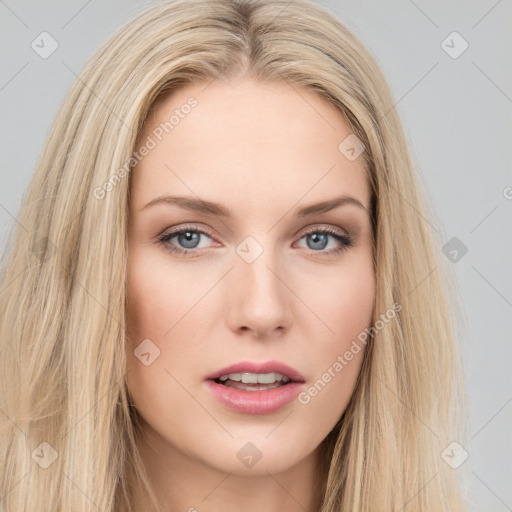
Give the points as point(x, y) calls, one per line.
point(246, 142)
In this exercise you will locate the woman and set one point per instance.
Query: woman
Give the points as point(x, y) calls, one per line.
point(224, 290)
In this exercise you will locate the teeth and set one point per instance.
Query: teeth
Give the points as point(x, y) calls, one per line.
point(256, 378)
point(252, 387)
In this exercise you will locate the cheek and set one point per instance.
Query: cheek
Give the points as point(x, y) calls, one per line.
point(345, 304)
point(151, 311)
point(156, 296)
point(344, 301)
point(164, 308)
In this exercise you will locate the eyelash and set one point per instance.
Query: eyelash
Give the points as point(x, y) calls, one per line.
point(346, 241)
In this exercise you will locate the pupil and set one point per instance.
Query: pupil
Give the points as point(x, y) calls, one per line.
point(320, 239)
point(189, 239)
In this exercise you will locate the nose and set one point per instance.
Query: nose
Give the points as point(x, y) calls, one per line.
point(260, 299)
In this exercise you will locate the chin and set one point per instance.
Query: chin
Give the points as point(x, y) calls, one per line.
point(259, 455)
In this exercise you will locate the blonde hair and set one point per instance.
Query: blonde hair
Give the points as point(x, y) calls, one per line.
point(62, 301)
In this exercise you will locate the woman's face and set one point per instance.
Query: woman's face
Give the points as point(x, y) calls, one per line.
point(264, 285)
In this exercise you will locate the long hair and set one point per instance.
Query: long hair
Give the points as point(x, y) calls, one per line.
point(68, 429)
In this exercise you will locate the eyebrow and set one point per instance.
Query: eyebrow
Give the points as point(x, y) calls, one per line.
point(212, 208)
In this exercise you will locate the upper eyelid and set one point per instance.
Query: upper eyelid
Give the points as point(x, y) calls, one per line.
point(189, 228)
point(304, 231)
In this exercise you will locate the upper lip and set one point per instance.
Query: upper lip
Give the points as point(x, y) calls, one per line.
point(258, 367)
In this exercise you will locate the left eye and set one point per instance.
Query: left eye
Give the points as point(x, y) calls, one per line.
point(320, 239)
point(188, 237)
point(317, 240)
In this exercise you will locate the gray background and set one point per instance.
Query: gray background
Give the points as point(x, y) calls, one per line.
point(456, 113)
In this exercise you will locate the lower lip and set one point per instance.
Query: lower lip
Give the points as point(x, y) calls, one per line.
point(254, 402)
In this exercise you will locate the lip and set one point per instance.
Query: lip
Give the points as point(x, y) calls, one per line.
point(256, 402)
point(259, 367)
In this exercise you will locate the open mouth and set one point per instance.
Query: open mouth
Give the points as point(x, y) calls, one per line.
point(255, 388)
point(253, 381)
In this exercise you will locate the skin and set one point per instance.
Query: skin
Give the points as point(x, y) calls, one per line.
point(262, 150)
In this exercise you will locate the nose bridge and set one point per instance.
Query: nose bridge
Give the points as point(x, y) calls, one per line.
point(260, 300)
